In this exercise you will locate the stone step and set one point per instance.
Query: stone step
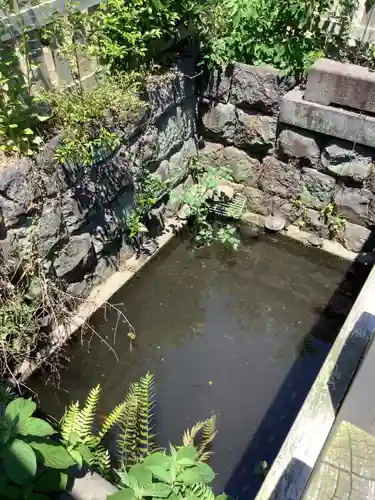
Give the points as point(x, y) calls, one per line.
point(337, 122)
point(347, 85)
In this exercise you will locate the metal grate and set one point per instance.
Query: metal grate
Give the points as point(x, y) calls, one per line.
point(232, 209)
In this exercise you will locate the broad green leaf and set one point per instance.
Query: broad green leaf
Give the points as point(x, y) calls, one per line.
point(158, 458)
point(206, 473)
point(124, 477)
point(11, 491)
point(192, 496)
point(49, 481)
point(28, 131)
point(20, 462)
point(54, 454)
point(35, 427)
point(190, 476)
point(73, 437)
point(158, 490)
point(125, 494)
point(142, 474)
point(6, 429)
point(162, 474)
point(186, 452)
point(23, 408)
point(223, 496)
point(85, 453)
point(77, 457)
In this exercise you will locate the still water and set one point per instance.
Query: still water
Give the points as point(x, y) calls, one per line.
point(240, 335)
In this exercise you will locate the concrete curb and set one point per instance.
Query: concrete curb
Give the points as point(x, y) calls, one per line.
point(292, 468)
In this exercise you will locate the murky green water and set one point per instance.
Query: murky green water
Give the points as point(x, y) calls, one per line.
point(240, 335)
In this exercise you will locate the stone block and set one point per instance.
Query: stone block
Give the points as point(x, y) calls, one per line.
point(258, 201)
point(353, 203)
point(170, 88)
point(73, 260)
point(242, 167)
point(179, 162)
point(255, 88)
point(328, 120)
point(18, 191)
point(278, 178)
point(355, 237)
point(341, 159)
point(173, 129)
point(300, 145)
point(51, 227)
point(219, 121)
point(343, 84)
point(315, 222)
point(255, 132)
point(317, 189)
point(216, 84)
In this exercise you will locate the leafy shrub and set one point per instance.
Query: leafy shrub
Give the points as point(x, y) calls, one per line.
point(287, 34)
point(198, 200)
point(125, 32)
point(91, 120)
point(178, 474)
point(33, 462)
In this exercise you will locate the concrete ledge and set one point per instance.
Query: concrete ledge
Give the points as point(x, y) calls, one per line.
point(336, 122)
point(348, 85)
point(292, 468)
point(91, 486)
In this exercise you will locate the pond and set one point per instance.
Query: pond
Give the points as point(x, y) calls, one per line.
point(241, 335)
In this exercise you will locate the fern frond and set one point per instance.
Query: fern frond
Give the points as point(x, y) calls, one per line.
point(69, 421)
point(127, 440)
point(145, 414)
point(190, 435)
point(87, 414)
point(209, 433)
point(203, 491)
point(103, 461)
point(112, 419)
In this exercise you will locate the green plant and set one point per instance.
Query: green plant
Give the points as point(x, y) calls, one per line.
point(178, 475)
point(198, 200)
point(301, 213)
point(34, 463)
point(334, 221)
point(19, 117)
point(148, 188)
point(288, 34)
point(201, 436)
point(125, 32)
point(76, 429)
point(91, 121)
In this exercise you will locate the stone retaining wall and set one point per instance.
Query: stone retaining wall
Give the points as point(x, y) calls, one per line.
point(282, 169)
point(78, 213)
